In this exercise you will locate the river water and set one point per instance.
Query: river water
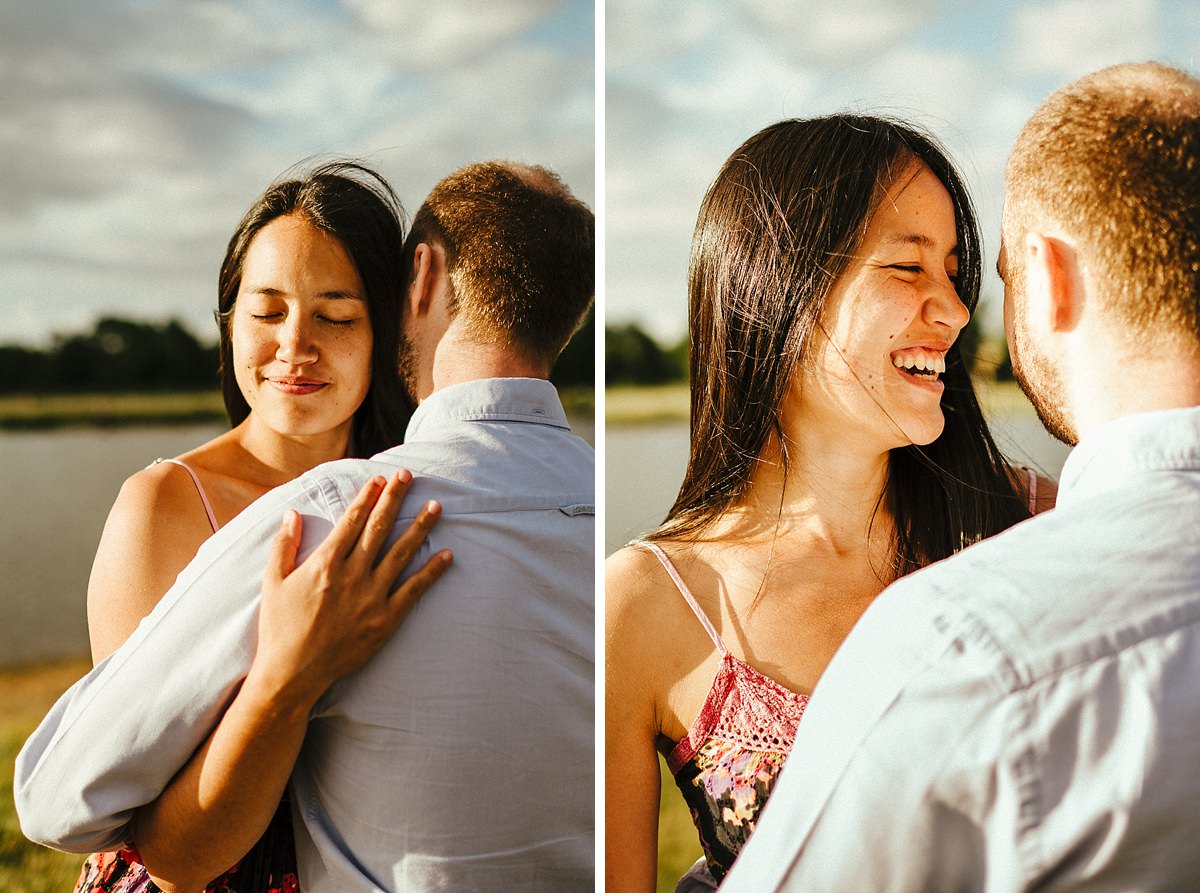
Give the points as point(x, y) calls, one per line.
point(56, 488)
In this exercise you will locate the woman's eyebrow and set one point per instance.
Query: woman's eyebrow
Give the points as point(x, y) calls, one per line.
point(333, 294)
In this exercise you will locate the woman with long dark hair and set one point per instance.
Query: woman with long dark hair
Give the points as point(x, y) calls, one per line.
point(836, 445)
point(309, 303)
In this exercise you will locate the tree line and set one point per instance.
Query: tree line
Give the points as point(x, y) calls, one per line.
point(132, 355)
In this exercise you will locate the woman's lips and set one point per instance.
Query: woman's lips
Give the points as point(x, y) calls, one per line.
point(298, 386)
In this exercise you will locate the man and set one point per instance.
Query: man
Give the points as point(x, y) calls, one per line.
point(1026, 714)
point(461, 756)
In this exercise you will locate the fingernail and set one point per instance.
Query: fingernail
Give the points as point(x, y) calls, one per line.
point(404, 475)
point(433, 507)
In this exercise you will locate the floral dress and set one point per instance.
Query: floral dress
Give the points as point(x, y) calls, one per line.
point(269, 867)
point(727, 763)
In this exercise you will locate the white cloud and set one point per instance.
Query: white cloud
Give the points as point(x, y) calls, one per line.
point(840, 33)
point(647, 34)
point(1069, 38)
point(134, 135)
point(434, 34)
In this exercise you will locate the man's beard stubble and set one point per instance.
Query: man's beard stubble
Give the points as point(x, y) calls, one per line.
point(1039, 380)
point(407, 364)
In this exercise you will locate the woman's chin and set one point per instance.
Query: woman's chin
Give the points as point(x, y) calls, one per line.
point(923, 432)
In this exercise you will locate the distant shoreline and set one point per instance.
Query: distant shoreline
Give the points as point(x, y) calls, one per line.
point(40, 412)
point(669, 403)
point(32, 412)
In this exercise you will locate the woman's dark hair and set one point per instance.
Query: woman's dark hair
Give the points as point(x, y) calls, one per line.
point(356, 206)
point(777, 227)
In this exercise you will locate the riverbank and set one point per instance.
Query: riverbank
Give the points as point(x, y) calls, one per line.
point(25, 697)
point(32, 412)
point(652, 404)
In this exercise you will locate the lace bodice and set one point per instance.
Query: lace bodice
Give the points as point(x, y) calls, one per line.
point(727, 763)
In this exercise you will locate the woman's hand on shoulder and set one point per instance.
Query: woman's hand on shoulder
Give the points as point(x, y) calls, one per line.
point(325, 618)
point(153, 530)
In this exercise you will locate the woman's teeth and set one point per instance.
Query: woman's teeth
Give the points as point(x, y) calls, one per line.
point(927, 365)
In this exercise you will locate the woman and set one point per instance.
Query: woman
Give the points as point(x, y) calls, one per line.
point(836, 445)
point(309, 315)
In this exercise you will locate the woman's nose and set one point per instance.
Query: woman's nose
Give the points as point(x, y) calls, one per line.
point(943, 306)
point(296, 345)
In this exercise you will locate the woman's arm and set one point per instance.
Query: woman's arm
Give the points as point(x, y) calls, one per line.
point(317, 623)
point(632, 781)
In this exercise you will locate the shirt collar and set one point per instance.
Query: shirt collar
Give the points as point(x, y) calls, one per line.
point(532, 400)
point(1167, 440)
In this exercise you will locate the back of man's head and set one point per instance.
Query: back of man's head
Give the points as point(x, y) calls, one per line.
point(520, 255)
point(1113, 161)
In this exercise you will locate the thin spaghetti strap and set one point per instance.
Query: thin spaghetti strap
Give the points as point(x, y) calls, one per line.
point(686, 593)
point(212, 519)
point(1032, 490)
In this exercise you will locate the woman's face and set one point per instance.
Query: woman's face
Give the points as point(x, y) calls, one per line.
point(889, 320)
point(301, 336)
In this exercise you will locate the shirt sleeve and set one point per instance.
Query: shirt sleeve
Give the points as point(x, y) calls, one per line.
point(117, 737)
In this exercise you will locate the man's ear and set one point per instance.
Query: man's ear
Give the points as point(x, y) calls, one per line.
point(1053, 282)
point(420, 285)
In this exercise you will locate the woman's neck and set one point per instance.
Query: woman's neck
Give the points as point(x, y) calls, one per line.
point(276, 458)
point(830, 493)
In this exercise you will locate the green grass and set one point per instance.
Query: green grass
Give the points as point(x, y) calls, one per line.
point(25, 696)
point(33, 411)
point(635, 405)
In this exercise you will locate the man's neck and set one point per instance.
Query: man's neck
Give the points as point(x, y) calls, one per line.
point(1132, 377)
point(457, 360)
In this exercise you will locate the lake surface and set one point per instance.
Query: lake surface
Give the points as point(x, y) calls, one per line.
point(644, 465)
point(56, 488)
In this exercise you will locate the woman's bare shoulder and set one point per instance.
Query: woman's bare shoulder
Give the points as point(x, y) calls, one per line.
point(160, 494)
point(634, 582)
point(643, 609)
point(154, 528)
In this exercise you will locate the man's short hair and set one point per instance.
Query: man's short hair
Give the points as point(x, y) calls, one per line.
point(520, 254)
point(1114, 159)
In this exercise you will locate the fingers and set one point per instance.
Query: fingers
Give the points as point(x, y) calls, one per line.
point(401, 552)
point(415, 586)
point(282, 560)
point(349, 527)
point(379, 523)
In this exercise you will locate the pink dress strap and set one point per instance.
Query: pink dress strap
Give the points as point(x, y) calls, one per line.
point(212, 519)
point(1032, 490)
point(687, 595)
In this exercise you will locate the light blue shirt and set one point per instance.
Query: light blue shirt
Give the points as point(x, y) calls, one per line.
point(461, 756)
point(1024, 715)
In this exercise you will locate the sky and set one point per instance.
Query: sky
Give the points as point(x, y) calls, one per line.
point(135, 133)
point(686, 83)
